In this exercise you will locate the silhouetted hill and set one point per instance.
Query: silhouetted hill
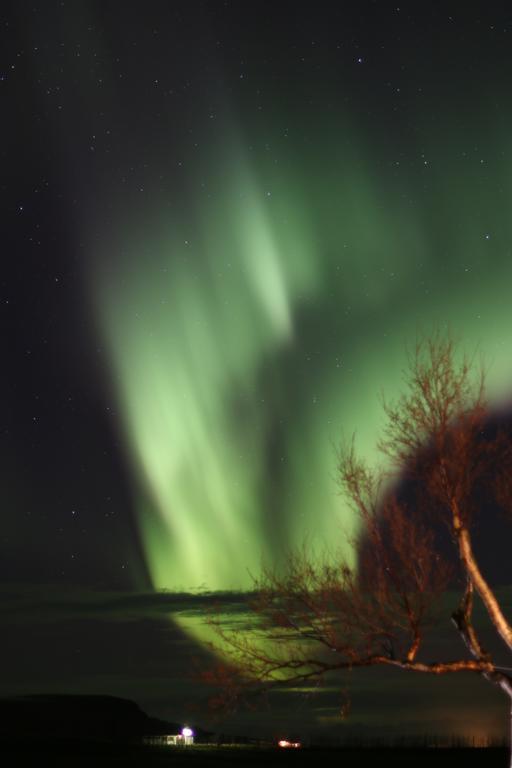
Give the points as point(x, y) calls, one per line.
point(103, 718)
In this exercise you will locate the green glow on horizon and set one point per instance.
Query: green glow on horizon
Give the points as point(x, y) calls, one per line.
point(253, 327)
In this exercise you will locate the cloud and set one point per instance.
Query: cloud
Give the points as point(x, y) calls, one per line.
point(55, 603)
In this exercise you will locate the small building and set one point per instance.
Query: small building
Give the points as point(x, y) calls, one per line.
point(183, 739)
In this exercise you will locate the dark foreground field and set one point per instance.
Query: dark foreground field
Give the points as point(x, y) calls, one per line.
point(91, 755)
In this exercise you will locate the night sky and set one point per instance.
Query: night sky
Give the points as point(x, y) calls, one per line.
point(222, 223)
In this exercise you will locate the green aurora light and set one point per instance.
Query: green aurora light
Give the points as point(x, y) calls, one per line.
point(256, 324)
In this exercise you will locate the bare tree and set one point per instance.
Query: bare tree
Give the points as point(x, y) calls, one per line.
point(315, 616)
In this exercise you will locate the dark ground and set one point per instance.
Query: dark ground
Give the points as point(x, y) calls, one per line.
point(92, 755)
point(100, 731)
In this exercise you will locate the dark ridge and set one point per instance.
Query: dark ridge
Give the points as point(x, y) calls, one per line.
point(88, 718)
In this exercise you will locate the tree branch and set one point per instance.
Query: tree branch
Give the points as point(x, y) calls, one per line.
point(484, 590)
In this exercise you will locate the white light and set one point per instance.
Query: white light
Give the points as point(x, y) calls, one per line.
point(186, 731)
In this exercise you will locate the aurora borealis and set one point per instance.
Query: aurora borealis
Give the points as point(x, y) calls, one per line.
point(224, 224)
point(253, 326)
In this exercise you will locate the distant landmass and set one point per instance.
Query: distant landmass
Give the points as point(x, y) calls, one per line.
point(102, 718)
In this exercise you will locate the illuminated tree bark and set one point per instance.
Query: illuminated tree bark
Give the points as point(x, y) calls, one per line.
point(319, 615)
